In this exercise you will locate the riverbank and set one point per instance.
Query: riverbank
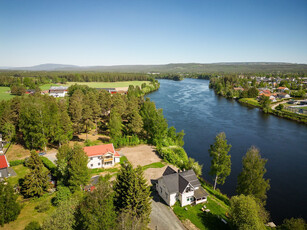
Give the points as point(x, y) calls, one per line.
point(279, 113)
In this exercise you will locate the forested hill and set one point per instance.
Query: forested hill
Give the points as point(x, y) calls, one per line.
point(236, 67)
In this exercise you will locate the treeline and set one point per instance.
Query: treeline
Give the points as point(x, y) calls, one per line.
point(31, 79)
point(40, 120)
point(181, 76)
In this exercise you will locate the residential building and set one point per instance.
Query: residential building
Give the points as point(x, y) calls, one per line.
point(183, 186)
point(101, 156)
point(282, 89)
point(5, 170)
point(58, 91)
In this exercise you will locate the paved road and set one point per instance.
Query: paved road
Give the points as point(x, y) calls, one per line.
point(162, 216)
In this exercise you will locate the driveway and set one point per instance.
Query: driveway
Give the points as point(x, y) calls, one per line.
point(51, 156)
point(162, 216)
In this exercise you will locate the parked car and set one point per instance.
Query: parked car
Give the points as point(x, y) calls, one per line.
point(41, 153)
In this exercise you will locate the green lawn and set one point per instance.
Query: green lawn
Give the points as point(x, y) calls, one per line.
point(153, 165)
point(204, 220)
point(250, 101)
point(28, 213)
point(4, 95)
point(21, 171)
point(99, 84)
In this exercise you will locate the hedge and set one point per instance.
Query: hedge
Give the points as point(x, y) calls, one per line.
point(49, 165)
point(16, 162)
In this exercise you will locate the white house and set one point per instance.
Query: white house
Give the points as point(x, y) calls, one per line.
point(5, 170)
point(101, 156)
point(1, 144)
point(58, 91)
point(183, 186)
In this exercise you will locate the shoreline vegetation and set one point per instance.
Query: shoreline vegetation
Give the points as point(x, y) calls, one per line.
point(245, 92)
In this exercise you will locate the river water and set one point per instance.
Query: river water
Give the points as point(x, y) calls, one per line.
point(190, 105)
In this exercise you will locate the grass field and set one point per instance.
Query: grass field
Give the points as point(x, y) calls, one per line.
point(98, 84)
point(28, 213)
point(4, 95)
point(203, 220)
point(21, 171)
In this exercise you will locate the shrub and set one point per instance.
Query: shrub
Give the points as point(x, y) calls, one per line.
point(43, 206)
point(33, 225)
point(126, 141)
point(16, 162)
point(62, 194)
point(49, 165)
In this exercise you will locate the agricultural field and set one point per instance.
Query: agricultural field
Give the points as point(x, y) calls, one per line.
point(4, 95)
point(98, 84)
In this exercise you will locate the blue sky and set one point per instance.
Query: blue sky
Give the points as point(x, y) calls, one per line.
point(151, 32)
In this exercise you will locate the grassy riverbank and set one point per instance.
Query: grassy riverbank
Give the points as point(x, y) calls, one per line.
point(280, 113)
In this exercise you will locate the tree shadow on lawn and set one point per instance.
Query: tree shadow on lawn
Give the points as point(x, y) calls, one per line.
point(211, 221)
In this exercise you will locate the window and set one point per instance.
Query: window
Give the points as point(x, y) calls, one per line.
point(161, 190)
point(98, 163)
point(91, 165)
point(166, 194)
point(91, 158)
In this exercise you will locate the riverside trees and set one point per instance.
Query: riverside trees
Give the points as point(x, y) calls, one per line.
point(250, 180)
point(220, 162)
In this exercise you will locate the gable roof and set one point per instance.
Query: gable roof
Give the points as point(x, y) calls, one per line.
point(191, 177)
point(171, 182)
point(3, 162)
point(99, 150)
point(168, 171)
point(177, 182)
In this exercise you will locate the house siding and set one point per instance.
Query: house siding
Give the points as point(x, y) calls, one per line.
point(94, 162)
point(184, 198)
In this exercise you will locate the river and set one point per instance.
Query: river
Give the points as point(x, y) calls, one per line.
point(190, 105)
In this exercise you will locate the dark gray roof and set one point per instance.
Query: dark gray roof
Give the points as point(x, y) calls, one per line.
point(183, 183)
point(4, 173)
point(200, 193)
point(191, 177)
point(177, 182)
point(171, 182)
point(168, 171)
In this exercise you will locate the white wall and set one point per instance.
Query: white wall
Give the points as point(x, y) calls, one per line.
point(116, 159)
point(184, 198)
point(95, 161)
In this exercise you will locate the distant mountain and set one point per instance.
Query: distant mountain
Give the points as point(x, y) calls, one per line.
point(42, 67)
point(229, 67)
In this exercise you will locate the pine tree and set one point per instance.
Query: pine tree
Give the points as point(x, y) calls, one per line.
point(87, 114)
point(115, 125)
point(75, 109)
point(65, 125)
point(9, 207)
point(36, 181)
point(220, 162)
point(132, 193)
point(78, 172)
point(96, 211)
point(250, 180)
point(63, 157)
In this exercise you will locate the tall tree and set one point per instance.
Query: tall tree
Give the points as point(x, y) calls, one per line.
point(63, 217)
point(96, 211)
point(63, 157)
point(132, 193)
point(36, 181)
point(220, 162)
point(115, 125)
point(246, 213)
point(78, 172)
point(75, 109)
point(250, 180)
point(9, 207)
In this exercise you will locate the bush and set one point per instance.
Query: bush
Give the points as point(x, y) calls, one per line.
point(33, 225)
point(126, 141)
point(62, 194)
point(49, 165)
point(43, 206)
point(16, 162)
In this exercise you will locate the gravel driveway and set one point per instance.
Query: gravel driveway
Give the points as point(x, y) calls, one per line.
point(162, 216)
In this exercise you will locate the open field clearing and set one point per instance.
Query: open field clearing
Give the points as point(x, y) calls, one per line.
point(4, 95)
